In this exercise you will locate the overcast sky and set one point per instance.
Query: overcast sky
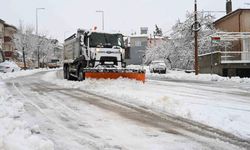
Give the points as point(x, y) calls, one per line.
point(62, 17)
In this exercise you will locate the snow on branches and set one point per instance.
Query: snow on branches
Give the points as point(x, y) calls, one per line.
point(178, 51)
point(32, 44)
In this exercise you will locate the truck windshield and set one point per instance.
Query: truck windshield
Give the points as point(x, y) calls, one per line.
point(106, 40)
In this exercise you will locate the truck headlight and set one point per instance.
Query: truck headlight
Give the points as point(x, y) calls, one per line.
point(97, 49)
point(121, 50)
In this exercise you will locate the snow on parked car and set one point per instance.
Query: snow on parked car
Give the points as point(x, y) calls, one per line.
point(9, 66)
point(158, 66)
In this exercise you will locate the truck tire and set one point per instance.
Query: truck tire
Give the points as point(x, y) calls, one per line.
point(164, 71)
point(69, 77)
point(80, 73)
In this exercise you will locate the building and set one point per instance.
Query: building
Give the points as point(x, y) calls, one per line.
point(156, 40)
point(136, 52)
point(137, 45)
point(235, 60)
point(236, 21)
point(6, 38)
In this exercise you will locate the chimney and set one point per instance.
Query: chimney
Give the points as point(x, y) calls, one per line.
point(228, 6)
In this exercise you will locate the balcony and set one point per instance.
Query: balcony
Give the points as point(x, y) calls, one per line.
point(235, 57)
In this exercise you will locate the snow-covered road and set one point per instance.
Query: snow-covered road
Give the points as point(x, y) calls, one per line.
point(74, 119)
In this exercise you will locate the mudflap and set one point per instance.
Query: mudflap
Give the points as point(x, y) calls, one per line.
point(136, 74)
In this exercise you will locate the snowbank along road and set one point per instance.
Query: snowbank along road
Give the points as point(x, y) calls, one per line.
point(74, 119)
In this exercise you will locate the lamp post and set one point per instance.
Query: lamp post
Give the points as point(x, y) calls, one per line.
point(101, 11)
point(37, 9)
point(196, 39)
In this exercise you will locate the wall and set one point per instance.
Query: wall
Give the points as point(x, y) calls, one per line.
point(210, 63)
point(245, 21)
point(229, 24)
point(138, 46)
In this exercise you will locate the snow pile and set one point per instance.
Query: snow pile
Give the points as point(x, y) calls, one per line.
point(15, 134)
point(20, 73)
point(10, 64)
point(135, 67)
point(214, 106)
point(181, 75)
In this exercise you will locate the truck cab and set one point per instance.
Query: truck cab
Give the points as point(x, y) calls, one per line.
point(106, 49)
point(88, 50)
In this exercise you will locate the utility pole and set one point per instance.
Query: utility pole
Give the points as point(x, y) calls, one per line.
point(38, 59)
point(24, 62)
point(196, 39)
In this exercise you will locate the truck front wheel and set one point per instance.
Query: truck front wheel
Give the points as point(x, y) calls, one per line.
point(68, 75)
point(80, 74)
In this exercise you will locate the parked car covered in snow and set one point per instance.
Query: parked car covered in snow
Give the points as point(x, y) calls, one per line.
point(158, 66)
point(54, 63)
point(8, 66)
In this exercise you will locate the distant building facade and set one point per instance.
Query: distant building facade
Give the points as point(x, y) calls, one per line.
point(6, 38)
point(137, 45)
point(137, 49)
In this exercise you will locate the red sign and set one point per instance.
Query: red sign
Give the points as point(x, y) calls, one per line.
point(8, 54)
point(215, 38)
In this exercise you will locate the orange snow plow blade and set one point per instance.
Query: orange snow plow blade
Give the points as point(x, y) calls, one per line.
point(136, 75)
point(115, 75)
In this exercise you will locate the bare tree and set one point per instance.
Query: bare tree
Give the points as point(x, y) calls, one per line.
point(33, 44)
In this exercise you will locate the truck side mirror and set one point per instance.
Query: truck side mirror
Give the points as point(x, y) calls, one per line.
point(82, 40)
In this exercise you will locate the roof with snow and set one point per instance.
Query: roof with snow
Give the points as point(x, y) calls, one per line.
point(230, 15)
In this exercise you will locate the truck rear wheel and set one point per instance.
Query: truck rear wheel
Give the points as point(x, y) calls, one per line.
point(65, 72)
point(68, 75)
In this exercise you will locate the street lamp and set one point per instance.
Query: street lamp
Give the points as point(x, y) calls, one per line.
point(37, 19)
point(101, 11)
point(38, 61)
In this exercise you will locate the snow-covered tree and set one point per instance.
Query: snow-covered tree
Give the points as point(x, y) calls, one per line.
point(178, 51)
point(32, 44)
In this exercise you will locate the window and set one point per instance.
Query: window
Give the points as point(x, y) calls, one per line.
point(137, 43)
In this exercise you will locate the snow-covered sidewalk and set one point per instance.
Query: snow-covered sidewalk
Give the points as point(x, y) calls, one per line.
point(181, 75)
point(15, 133)
point(223, 107)
point(20, 73)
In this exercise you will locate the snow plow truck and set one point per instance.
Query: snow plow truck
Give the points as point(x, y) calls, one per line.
point(89, 54)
